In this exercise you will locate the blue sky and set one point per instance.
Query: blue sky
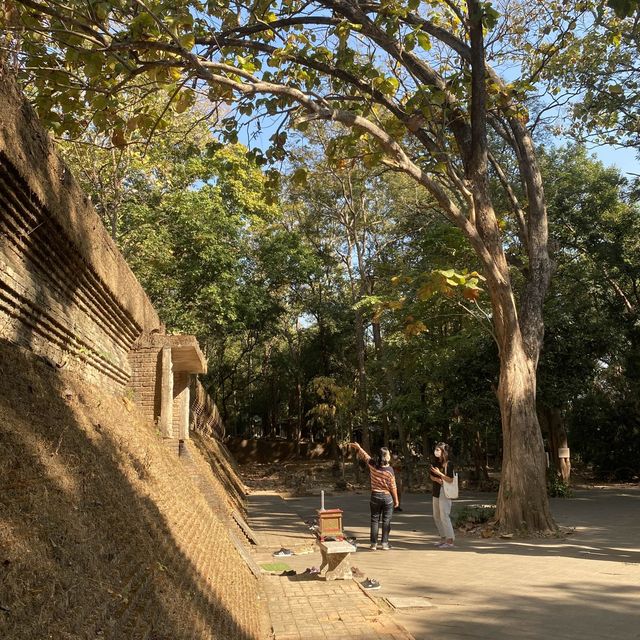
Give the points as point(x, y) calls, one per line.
point(624, 159)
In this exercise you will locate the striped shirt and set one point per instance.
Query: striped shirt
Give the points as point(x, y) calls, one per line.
point(382, 479)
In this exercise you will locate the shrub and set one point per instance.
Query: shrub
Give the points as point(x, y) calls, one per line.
point(557, 487)
point(474, 514)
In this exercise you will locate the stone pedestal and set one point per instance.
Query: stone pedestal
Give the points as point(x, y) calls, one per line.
point(336, 562)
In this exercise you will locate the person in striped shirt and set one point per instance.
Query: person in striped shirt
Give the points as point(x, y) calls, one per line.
point(384, 493)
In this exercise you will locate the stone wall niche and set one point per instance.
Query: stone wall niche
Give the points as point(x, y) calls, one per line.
point(162, 367)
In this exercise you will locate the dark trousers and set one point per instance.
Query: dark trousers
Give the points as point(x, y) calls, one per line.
point(381, 505)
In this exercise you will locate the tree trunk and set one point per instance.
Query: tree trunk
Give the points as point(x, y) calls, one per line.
point(551, 419)
point(298, 423)
point(522, 499)
point(386, 394)
point(480, 459)
point(362, 381)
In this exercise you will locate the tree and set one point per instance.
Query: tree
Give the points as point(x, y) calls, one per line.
point(586, 63)
point(347, 204)
point(589, 380)
point(193, 221)
point(410, 83)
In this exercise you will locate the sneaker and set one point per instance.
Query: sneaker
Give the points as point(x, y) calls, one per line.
point(446, 545)
point(437, 544)
point(398, 509)
point(373, 547)
point(386, 547)
point(370, 584)
point(283, 552)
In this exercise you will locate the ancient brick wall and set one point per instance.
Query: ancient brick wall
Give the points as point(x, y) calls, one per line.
point(146, 368)
point(66, 293)
point(68, 296)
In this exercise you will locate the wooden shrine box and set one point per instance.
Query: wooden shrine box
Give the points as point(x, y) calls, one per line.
point(330, 524)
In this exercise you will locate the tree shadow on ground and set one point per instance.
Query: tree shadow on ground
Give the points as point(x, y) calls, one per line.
point(562, 610)
point(269, 513)
point(596, 519)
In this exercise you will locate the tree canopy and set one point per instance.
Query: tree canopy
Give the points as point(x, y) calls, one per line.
point(436, 92)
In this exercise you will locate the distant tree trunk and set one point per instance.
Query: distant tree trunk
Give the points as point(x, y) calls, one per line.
point(324, 349)
point(334, 449)
point(480, 458)
point(298, 413)
point(386, 394)
point(363, 412)
point(553, 423)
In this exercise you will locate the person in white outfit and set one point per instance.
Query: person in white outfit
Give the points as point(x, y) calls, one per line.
point(440, 473)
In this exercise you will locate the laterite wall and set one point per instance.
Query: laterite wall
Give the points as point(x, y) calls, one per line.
point(66, 292)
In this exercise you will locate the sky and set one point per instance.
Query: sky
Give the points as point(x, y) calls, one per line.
point(624, 159)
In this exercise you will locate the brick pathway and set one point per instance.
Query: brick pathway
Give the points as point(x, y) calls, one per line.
point(583, 587)
point(305, 607)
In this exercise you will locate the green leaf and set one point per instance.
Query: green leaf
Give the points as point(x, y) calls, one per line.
point(99, 102)
point(299, 177)
point(188, 41)
point(93, 65)
point(423, 40)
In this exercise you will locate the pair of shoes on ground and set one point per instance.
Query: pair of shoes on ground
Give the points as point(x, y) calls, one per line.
point(312, 570)
point(384, 547)
point(290, 572)
point(370, 583)
point(283, 553)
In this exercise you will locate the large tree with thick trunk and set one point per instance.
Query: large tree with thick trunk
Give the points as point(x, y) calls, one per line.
point(414, 87)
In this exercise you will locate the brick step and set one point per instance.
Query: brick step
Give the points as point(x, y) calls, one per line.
point(137, 587)
point(192, 560)
point(194, 568)
point(236, 532)
point(201, 561)
point(135, 602)
point(198, 472)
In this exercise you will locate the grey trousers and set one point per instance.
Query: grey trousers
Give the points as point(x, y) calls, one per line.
point(441, 514)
